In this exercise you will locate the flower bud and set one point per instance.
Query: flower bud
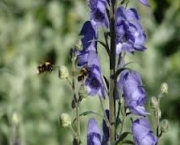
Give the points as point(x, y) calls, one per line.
point(63, 72)
point(164, 125)
point(65, 120)
point(82, 92)
point(159, 113)
point(79, 45)
point(154, 103)
point(15, 118)
point(164, 88)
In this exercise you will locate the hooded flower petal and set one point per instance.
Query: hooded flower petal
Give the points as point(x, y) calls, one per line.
point(88, 34)
point(142, 132)
point(89, 44)
point(134, 94)
point(130, 36)
point(93, 133)
point(94, 82)
point(82, 58)
point(98, 13)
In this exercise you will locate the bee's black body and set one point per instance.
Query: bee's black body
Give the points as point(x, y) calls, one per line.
point(45, 67)
point(83, 73)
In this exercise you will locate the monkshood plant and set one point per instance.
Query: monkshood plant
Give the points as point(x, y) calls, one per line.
point(123, 88)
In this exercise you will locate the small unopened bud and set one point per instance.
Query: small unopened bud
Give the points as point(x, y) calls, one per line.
point(164, 125)
point(154, 103)
point(63, 72)
point(159, 112)
point(82, 92)
point(79, 45)
point(164, 88)
point(65, 120)
point(15, 118)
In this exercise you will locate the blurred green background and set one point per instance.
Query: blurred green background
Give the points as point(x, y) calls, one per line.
point(35, 31)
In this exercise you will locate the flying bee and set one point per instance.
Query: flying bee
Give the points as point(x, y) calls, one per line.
point(83, 73)
point(45, 67)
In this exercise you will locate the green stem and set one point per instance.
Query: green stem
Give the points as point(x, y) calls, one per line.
point(123, 112)
point(105, 116)
point(76, 103)
point(112, 87)
point(72, 131)
point(157, 118)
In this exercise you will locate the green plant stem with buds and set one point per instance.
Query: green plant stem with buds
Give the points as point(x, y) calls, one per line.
point(77, 138)
point(157, 115)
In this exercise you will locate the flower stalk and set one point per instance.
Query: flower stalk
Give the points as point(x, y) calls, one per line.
point(112, 104)
point(77, 138)
point(124, 87)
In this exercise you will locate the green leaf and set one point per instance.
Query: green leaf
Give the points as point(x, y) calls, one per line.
point(119, 71)
point(105, 46)
point(87, 113)
point(128, 142)
point(123, 136)
point(106, 81)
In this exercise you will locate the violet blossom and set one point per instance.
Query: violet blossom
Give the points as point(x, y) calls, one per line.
point(130, 36)
point(142, 132)
point(98, 14)
point(134, 94)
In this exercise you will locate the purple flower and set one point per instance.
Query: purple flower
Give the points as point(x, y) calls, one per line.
point(130, 36)
point(98, 13)
point(94, 136)
point(94, 82)
point(145, 2)
point(134, 94)
point(88, 34)
point(88, 58)
point(142, 133)
point(93, 133)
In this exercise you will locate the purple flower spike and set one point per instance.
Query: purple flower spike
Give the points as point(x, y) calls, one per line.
point(134, 94)
point(142, 133)
point(98, 13)
point(130, 36)
point(93, 133)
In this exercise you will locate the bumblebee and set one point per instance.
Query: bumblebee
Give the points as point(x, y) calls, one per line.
point(45, 67)
point(83, 73)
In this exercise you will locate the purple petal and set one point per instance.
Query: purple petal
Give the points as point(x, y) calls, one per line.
point(130, 36)
point(93, 126)
point(98, 13)
point(93, 59)
point(134, 94)
point(93, 133)
point(142, 132)
point(145, 2)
